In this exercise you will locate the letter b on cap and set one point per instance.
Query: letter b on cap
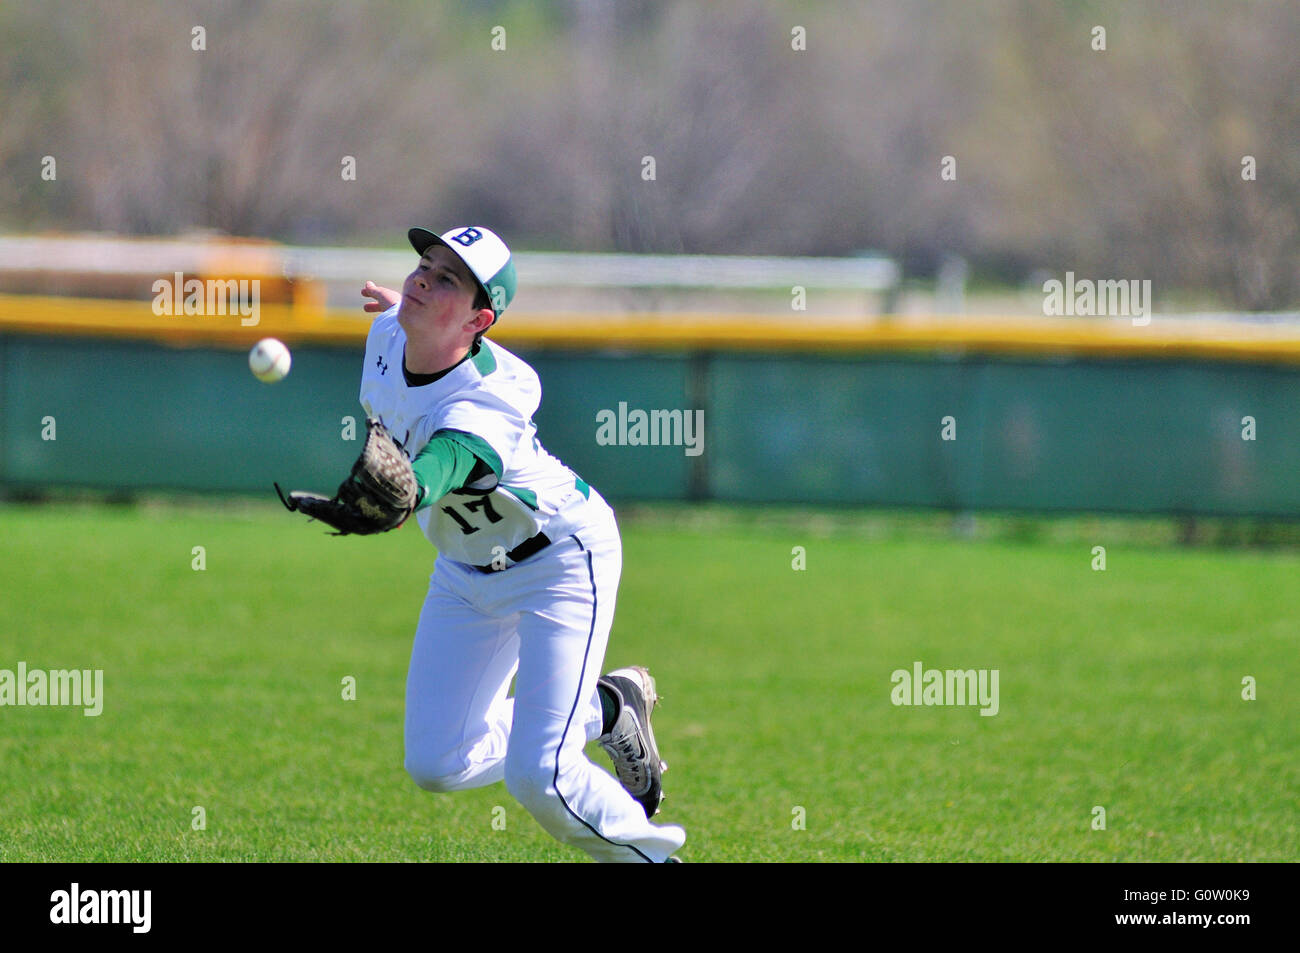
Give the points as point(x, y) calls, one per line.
point(468, 237)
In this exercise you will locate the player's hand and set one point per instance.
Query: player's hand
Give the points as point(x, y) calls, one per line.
point(378, 495)
point(384, 298)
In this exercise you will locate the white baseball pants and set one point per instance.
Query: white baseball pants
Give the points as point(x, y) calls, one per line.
point(545, 621)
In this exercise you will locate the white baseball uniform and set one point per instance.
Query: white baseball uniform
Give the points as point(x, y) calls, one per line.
point(543, 619)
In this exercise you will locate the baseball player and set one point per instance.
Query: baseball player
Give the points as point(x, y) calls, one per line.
point(527, 570)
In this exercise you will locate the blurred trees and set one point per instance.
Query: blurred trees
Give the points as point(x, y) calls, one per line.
point(1122, 162)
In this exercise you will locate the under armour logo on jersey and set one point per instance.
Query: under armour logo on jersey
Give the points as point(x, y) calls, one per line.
point(468, 237)
point(379, 363)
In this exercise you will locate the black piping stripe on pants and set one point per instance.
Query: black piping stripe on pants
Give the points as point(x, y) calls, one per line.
point(555, 781)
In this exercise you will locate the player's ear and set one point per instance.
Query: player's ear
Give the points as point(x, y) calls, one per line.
point(482, 320)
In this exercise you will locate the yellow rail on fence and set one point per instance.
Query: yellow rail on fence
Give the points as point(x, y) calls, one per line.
point(1162, 338)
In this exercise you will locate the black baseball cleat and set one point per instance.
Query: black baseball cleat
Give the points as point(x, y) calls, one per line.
point(630, 741)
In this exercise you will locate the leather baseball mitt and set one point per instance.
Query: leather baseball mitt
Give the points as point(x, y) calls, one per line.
point(378, 495)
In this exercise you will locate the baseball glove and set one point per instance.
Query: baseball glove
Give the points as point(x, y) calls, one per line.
point(378, 495)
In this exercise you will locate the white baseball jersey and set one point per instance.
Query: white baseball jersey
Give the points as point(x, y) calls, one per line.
point(491, 396)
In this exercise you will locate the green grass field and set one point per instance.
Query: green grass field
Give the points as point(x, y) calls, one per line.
point(1119, 689)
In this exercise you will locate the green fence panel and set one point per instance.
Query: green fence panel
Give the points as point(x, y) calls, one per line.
point(837, 430)
point(1088, 435)
point(1122, 436)
point(578, 387)
point(137, 415)
point(134, 415)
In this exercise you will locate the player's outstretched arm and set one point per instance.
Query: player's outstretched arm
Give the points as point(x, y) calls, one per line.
point(384, 298)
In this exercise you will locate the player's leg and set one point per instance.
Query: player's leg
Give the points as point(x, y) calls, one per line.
point(457, 714)
point(566, 610)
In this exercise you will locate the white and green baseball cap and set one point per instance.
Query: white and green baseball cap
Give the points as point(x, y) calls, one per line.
point(486, 256)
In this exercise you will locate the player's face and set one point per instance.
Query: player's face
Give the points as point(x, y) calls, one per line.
point(438, 296)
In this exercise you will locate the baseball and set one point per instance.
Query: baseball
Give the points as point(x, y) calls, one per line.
point(269, 360)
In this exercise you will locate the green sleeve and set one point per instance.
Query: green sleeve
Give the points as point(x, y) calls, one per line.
point(442, 466)
point(477, 446)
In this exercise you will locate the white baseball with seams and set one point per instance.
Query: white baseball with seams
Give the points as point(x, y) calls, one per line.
point(269, 360)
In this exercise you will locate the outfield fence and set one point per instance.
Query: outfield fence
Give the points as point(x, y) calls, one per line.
point(1172, 418)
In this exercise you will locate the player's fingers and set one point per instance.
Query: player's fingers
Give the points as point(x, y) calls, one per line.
point(381, 301)
point(372, 290)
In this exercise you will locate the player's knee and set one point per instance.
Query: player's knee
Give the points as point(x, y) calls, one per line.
point(440, 775)
point(531, 785)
